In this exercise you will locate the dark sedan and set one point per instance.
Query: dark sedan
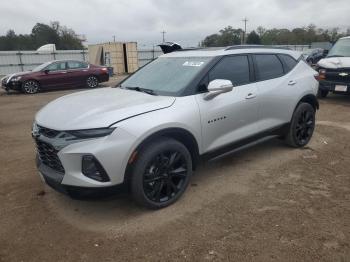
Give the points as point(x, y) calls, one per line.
point(56, 75)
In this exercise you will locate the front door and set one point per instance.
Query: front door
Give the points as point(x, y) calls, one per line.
point(232, 116)
point(54, 75)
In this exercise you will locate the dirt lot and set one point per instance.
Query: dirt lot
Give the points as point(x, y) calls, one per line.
point(265, 203)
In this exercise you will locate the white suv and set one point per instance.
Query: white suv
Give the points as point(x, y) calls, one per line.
point(151, 130)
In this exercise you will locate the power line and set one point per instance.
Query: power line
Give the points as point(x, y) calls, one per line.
point(245, 20)
point(163, 34)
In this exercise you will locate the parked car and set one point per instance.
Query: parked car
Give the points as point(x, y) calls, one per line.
point(334, 70)
point(151, 131)
point(56, 74)
point(315, 55)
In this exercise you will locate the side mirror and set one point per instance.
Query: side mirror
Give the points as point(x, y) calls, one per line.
point(217, 87)
point(46, 71)
point(325, 52)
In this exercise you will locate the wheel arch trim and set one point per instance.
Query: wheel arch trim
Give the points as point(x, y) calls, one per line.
point(180, 134)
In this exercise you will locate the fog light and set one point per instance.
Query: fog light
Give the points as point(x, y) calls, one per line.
point(93, 169)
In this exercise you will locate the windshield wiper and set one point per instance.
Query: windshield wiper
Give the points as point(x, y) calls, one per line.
point(139, 89)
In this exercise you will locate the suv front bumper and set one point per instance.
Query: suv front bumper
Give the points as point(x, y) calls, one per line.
point(112, 152)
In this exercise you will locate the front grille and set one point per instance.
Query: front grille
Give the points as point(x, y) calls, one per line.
point(48, 156)
point(47, 132)
point(334, 75)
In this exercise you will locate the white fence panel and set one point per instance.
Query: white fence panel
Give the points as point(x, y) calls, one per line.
point(9, 58)
point(17, 61)
point(147, 55)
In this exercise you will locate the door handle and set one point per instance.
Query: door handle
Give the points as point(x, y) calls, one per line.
point(64, 72)
point(250, 96)
point(292, 83)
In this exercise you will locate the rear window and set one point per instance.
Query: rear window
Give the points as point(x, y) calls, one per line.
point(268, 67)
point(288, 61)
point(76, 65)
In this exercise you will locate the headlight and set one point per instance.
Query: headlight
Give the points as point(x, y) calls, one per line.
point(16, 78)
point(92, 133)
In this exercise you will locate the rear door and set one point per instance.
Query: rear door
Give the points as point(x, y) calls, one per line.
point(277, 88)
point(77, 72)
point(230, 116)
point(55, 76)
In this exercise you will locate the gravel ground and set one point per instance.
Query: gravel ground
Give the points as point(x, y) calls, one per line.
point(264, 203)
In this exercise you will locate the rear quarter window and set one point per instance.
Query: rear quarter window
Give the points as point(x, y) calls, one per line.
point(268, 67)
point(288, 62)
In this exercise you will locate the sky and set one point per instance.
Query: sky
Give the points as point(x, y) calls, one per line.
point(185, 22)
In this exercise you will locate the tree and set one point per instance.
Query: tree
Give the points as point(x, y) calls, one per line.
point(62, 37)
point(261, 31)
point(226, 37)
point(297, 36)
point(253, 38)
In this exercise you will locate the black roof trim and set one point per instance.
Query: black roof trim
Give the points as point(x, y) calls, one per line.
point(234, 47)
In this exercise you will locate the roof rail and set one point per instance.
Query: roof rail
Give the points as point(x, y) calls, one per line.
point(234, 47)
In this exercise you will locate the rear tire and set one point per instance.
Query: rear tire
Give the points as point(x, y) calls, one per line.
point(302, 126)
point(161, 173)
point(92, 82)
point(30, 87)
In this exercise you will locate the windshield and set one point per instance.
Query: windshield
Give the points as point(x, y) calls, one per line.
point(341, 48)
point(41, 67)
point(166, 75)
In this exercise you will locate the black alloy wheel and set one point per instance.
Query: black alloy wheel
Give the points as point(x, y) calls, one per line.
point(161, 173)
point(302, 125)
point(305, 126)
point(165, 176)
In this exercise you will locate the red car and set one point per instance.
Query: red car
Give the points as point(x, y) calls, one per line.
point(56, 75)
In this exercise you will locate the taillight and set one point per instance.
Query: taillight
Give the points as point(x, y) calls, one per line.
point(321, 75)
point(104, 69)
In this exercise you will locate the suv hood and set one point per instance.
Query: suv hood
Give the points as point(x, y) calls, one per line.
point(98, 108)
point(334, 62)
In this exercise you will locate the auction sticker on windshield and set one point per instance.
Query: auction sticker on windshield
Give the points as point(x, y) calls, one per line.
point(193, 63)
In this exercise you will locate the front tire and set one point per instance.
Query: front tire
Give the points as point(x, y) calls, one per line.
point(302, 126)
point(92, 82)
point(161, 173)
point(30, 87)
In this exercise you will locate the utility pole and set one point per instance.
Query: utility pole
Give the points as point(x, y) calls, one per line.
point(163, 33)
point(245, 20)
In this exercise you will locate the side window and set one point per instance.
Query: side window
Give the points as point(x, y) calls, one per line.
point(56, 66)
point(288, 61)
point(76, 65)
point(268, 67)
point(234, 68)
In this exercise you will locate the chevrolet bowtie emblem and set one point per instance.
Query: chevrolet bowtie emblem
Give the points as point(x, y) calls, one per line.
point(343, 74)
